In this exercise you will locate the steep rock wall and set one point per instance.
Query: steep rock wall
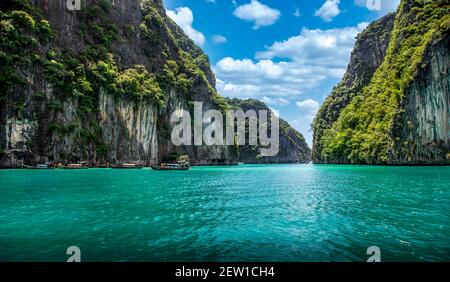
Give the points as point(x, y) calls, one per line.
point(368, 54)
point(400, 116)
point(39, 122)
point(424, 126)
point(292, 145)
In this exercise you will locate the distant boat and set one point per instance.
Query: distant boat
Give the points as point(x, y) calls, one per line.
point(127, 166)
point(39, 166)
point(170, 167)
point(42, 166)
point(75, 166)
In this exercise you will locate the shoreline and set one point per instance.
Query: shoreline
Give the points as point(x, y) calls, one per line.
point(231, 165)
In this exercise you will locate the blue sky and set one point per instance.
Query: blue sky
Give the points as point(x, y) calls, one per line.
point(287, 53)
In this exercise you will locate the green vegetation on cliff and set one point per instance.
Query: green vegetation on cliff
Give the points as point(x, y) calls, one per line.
point(363, 133)
point(65, 73)
point(293, 147)
point(368, 54)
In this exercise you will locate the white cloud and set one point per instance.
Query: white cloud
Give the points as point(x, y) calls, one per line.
point(297, 13)
point(329, 10)
point(331, 48)
point(262, 15)
point(264, 78)
point(307, 60)
point(184, 18)
point(308, 107)
point(275, 101)
point(219, 39)
point(386, 6)
point(211, 1)
point(307, 112)
point(287, 70)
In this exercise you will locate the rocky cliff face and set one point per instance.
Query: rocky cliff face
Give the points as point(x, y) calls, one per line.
point(367, 56)
point(423, 128)
point(293, 147)
point(396, 109)
point(99, 84)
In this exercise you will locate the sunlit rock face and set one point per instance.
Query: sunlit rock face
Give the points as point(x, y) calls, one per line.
point(392, 106)
point(369, 52)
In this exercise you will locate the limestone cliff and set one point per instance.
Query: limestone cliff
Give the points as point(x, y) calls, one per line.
point(98, 84)
point(293, 147)
point(423, 128)
point(367, 56)
point(397, 111)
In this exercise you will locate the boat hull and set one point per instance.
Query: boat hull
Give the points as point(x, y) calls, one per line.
point(157, 167)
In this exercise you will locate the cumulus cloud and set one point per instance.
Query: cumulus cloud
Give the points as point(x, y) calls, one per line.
point(303, 62)
point(219, 39)
point(290, 69)
point(309, 107)
point(184, 18)
point(261, 15)
point(245, 78)
point(307, 112)
point(331, 47)
point(297, 13)
point(385, 6)
point(329, 10)
point(275, 101)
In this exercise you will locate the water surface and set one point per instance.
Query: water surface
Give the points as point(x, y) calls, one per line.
point(242, 213)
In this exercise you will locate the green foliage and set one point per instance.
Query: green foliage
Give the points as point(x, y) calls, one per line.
point(363, 131)
point(106, 5)
point(221, 102)
point(61, 129)
point(188, 66)
point(20, 34)
point(77, 77)
point(139, 83)
point(172, 77)
point(104, 74)
point(102, 150)
point(152, 25)
point(135, 82)
point(67, 74)
point(96, 27)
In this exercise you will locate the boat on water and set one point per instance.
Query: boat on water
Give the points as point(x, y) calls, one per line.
point(38, 166)
point(75, 166)
point(182, 164)
point(164, 166)
point(128, 166)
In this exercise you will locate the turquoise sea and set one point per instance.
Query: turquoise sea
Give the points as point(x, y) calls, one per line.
point(240, 213)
